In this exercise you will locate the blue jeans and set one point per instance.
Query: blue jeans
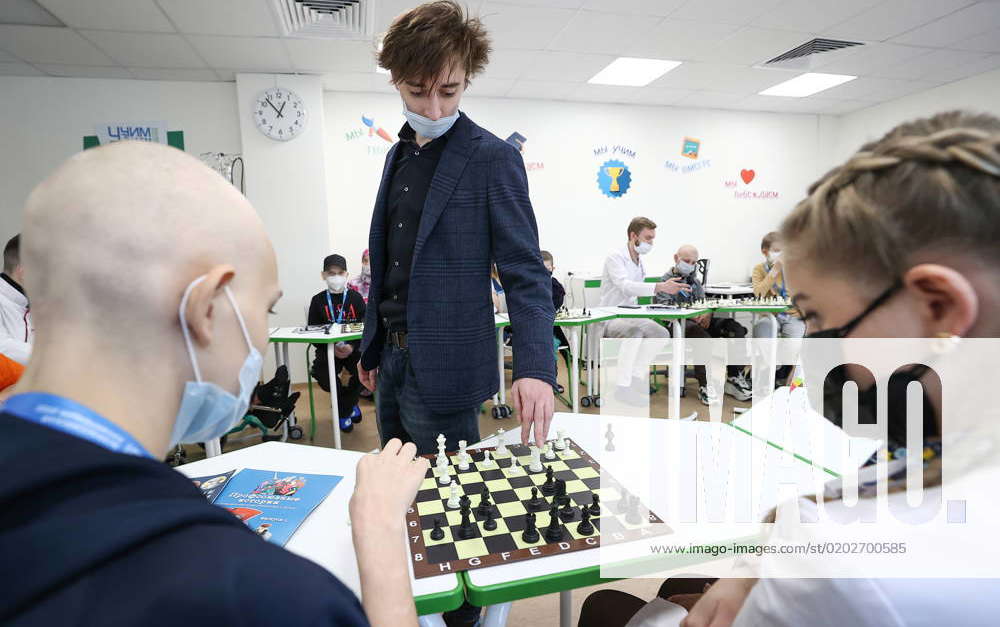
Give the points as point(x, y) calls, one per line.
point(402, 413)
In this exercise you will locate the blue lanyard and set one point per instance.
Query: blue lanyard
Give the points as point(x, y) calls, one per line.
point(71, 417)
point(343, 306)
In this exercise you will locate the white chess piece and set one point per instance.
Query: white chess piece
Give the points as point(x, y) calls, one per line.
point(515, 468)
point(487, 460)
point(536, 460)
point(444, 476)
point(501, 443)
point(463, 461)
point(549, 453)
point(560, 440)
point(441, 441)
point(453, 498)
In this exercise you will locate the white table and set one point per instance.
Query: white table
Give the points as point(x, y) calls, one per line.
point(575, 327)
point(282, 337)
point(729, 290)
point(676, 315)
point(497, 585)
point(325, 536)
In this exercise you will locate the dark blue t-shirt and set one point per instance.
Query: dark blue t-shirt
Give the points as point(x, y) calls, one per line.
point(92, 537)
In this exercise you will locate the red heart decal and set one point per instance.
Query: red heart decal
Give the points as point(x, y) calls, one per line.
point(747, 175)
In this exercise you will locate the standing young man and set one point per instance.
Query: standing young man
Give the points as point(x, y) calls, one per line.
point(453, 199)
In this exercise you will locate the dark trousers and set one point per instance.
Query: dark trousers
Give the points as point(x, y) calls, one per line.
point(402, 414)
point(347, 394)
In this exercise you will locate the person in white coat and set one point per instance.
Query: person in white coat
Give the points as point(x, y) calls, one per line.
point(16, 332)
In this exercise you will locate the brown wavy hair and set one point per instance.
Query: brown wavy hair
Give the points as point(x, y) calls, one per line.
point(432, 37)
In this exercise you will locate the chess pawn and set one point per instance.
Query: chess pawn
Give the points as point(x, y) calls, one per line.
point(549, 453)
point(585, 528)
point(453, 498)
point(437, 533)
point(463, 461)
point(515, 467)
point(487, 460)
point(560, 440)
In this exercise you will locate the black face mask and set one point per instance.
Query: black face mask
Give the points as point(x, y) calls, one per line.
point(833, 386)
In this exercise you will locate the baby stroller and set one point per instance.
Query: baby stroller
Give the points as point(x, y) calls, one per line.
point(271, 412)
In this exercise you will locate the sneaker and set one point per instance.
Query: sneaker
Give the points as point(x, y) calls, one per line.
point(707, 395)
point(738, 388)
point(356, 415)
point(346, 424)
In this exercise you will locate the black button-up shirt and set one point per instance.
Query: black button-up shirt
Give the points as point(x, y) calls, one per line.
point(411, 179)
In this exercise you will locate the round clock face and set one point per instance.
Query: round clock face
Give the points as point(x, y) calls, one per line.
point(279, 113)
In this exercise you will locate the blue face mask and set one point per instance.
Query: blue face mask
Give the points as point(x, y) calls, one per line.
point(431, 129)
point(207, 410)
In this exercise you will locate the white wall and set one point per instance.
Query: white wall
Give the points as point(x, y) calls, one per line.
point(286, 183)
point(45, 120)
point(979, 93)
point(577, 223)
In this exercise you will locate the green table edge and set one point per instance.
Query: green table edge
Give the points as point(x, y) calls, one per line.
point(774, 309)
point(573, 579)
point(781, 448)
point(438, 602)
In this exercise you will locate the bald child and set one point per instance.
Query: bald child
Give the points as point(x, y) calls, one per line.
point(151, 281)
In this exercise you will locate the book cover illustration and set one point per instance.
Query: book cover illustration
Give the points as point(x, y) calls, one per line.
point(274, 503)
point(212, 485)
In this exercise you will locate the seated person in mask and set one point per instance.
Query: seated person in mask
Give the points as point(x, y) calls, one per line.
point(919, 209)
point(336, 305)
point(363, 282)
point(768, 280)
point(163, 347)
point(685, 269)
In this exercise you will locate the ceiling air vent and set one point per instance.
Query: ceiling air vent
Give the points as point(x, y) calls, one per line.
point(327, 19)
point(815, 46)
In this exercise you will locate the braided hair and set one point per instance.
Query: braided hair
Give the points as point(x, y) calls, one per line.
point(927, 185)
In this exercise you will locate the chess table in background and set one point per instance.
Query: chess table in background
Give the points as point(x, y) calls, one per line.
point(509, 493)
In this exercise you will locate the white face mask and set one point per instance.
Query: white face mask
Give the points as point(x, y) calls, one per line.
point(685, 268)
point(643, 248)
point(426, 127)
point(773, 256)
point(365, 269)
point(336, 283)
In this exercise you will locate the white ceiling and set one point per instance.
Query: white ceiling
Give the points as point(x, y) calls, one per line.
point(542, 48)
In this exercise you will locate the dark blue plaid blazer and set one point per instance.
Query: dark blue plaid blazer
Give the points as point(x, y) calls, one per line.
point(477, 211)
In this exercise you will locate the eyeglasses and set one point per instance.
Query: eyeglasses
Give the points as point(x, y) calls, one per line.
point(844, 330)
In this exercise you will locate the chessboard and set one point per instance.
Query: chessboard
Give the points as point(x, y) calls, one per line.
point(732, 303)
point(511, 508)
point(352, 327)
point(563, 313)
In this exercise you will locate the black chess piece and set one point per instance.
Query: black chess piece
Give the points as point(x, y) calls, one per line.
point(464, 502)
point(554, 532)
point(466, 529)
point(585, 528)
point(437, 533)
point(595, 504)
point(530, 533)
point(561, 498)
point(535, 503)
point(567, 513)
point(485, 506)
point(549, 487)
point(489, 524)
point(632, 517)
